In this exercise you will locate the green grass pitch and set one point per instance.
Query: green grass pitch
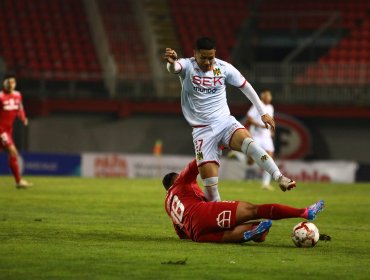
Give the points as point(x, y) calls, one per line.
point(73, 228)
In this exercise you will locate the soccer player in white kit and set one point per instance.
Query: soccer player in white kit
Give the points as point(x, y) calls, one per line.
point(203, 100)
point(260, 134)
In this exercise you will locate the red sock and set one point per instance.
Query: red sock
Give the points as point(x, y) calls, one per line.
point(279, 211)
point(13, 163)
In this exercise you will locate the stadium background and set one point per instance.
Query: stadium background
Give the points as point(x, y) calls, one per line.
point(96, 89)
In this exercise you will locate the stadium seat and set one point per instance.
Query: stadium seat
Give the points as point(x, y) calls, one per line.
point(48, 37)
point(124, 38)
point(347, 62)
point(221, 22)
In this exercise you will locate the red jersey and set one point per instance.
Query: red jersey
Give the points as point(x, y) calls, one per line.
point(182, 199)
point(192, 216)
point(10, 107)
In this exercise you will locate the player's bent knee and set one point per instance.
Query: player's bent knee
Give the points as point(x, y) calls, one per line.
point(246, 211)
point(12, 151)
point(238, 138)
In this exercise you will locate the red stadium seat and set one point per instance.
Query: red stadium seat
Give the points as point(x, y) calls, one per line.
point(40, 32)
point(123, 36)
point(220, 22)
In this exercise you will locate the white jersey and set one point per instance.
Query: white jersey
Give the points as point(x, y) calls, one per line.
point(259, 131)
point(203, 95)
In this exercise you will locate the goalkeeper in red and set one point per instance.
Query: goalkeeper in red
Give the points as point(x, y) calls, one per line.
point(200, 220)
point(11, 107)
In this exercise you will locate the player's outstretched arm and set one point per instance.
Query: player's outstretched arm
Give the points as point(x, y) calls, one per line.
point(22, 115)
point(252, 95)
point(171, 56)
point(268, 121)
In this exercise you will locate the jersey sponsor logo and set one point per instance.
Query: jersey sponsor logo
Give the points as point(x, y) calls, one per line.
point(10, 105)
point(224, 219)
point(217, 72)
point(204, 90)
point(207, 81)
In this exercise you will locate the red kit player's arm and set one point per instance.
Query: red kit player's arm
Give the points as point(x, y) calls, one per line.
point(190, 173)
point(21, 112)
point(180, 232)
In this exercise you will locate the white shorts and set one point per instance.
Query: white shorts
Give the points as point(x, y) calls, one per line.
point(209, 140)
point(265, 142)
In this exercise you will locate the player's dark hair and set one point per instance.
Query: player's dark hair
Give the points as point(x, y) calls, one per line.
point(9, 76)
point(263, 91)
point(168, 180)
point(205, 43)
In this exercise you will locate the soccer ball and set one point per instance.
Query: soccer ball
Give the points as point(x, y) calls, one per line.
point(305, 235)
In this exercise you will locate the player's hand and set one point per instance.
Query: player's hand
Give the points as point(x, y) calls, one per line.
point(170, 55)
point(268, 121)
point(25, 122)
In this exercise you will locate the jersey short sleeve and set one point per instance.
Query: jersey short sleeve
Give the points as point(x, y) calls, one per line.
point(234, 77)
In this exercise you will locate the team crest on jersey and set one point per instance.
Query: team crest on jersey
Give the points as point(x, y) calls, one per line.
point(224, 219)
point(217, 72)
point(264, 158)
point(199, 156)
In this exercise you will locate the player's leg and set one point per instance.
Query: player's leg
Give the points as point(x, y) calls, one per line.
point(247, 211)
point(267, 144)
point(242, 141)
point(236, 235)
point(239, 234)
point(209, 174)
point(13, 162)
point(266, 177)
point(7, 144)
point(207, 155)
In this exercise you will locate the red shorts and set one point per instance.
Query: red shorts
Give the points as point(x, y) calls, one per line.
point(211, 219)
point(6, 139)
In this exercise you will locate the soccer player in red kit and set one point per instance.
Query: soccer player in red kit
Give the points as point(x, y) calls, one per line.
point(228, 221)
point(11, 107)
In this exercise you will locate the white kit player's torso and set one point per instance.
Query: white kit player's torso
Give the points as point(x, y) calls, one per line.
point(204, 105)
point(261, 135)
point(203, 95)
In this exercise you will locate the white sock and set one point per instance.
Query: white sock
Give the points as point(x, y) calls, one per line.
point(250, 148)
point(211, 189)
point(266, 178)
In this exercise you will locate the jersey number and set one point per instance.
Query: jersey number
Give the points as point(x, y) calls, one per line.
point(177, 210)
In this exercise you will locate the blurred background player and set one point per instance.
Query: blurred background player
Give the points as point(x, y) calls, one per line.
point(11, 107)
point(204, 105)
point(261, 135)
point(227, 221)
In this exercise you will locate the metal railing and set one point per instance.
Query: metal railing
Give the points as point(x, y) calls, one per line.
point(298, 83)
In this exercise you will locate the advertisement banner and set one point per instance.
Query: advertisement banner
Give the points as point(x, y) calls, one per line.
point(315, 171)
point(148, 166)
point(131, 166)
point(44, 164)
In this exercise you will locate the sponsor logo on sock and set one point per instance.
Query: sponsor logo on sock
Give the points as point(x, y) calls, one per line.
point(264, 158)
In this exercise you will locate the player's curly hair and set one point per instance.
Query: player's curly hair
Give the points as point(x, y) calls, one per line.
point(167, 180)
